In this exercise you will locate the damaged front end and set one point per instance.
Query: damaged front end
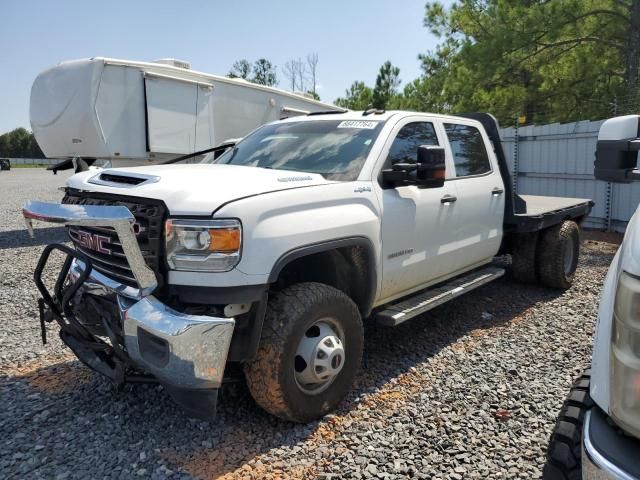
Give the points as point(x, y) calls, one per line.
point(120, 329)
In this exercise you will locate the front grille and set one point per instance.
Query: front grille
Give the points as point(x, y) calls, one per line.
point(107, 256)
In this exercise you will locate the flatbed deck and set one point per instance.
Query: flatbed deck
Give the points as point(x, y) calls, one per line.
point(538, 205)
point(538, 212)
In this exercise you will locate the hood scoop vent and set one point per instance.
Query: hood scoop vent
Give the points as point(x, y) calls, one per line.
point(122, 179)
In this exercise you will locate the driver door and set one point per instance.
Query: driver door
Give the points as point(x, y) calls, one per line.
point(418, 224)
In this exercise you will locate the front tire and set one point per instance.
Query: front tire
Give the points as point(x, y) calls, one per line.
point(557, 255)
point(564, 456)
point(309, 353)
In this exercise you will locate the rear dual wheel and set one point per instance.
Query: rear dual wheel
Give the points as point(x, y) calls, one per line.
point(557, 255)
point(549, 257)
point(309, 353)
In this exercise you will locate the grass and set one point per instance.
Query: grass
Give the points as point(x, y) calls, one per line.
point(39, 165)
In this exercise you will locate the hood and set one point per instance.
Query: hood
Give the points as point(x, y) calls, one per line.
point(195, 189)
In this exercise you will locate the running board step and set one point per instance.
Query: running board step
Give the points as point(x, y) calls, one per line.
point(431, 298)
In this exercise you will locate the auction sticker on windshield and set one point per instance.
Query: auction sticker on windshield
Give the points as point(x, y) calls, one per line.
point(358, 124)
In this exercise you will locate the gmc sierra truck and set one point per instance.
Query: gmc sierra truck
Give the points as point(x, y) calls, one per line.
point(597, 434)
point(271, 256)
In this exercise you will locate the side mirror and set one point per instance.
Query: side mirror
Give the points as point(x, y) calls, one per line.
point(617, 150)
point(431, 166)
point(427, 172)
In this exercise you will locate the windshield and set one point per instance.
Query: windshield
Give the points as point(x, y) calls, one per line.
point(336, 149)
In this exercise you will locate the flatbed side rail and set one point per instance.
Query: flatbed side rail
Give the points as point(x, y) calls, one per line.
point(532, 223)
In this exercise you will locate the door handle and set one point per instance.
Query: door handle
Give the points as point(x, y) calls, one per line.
point(497, 191)
point(447, 199)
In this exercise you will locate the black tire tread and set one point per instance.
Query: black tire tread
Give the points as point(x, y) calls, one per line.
point(263, 373)
point(565, 448)
point(549, 257)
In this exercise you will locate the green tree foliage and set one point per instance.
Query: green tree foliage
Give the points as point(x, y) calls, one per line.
point(264, 73)
point(548, 60)
point(240, 69)
point(387, 84)
point(19, 143)
point(556, 60)
point(357, 97)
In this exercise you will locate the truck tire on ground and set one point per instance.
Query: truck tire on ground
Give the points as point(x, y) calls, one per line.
point(557, 255)
point(523, 258)
point(309, 353)
point(564, 455)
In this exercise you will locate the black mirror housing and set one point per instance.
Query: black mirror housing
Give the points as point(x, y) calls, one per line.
point(427, 172)
point(431, 166)
point(617, 150)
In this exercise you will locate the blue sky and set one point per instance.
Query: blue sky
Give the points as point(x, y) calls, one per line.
point(352, 38)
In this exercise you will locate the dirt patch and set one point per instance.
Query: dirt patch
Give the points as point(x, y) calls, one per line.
point(613, 238)
point(53, 375)
point(228, 461)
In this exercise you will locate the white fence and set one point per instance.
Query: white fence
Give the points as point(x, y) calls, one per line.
point(557, 159)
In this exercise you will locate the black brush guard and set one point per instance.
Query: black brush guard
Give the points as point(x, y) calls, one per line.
point(108, 359)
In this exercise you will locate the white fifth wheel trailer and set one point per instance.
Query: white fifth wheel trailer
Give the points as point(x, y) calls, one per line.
point(138, 113)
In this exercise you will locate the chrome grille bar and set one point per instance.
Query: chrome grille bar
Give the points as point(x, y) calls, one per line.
point(117, 217)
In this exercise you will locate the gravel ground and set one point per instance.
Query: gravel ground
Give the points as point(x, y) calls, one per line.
point(470, 390)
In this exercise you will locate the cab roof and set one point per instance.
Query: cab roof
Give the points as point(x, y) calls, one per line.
point(373, 116)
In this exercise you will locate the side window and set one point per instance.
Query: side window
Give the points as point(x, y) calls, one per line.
point(468, 148)
point(409, 138)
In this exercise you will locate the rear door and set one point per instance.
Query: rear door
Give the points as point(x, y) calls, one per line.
point(480, 191)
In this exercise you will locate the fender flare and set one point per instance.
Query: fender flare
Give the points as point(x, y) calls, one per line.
point(355, 241)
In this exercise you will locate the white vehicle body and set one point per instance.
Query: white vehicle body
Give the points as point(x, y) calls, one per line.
point(461, 236)
point(136, 113)
point(627, 259)
point(386, 206)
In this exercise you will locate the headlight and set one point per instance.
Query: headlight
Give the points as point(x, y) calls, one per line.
point(203, 245)
point(625, 355)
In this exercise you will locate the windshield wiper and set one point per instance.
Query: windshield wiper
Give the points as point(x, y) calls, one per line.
point(222, 146)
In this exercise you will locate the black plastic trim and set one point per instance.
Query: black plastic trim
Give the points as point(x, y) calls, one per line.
point(248, 331)
point(218, 295)
point(310, 249)
point(619, 449)
point(197, 403)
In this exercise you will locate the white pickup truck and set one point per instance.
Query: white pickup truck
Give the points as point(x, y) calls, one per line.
point(271, 255)
point(597, 435)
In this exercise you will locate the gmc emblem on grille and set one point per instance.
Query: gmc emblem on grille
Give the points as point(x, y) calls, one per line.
point(94, 242)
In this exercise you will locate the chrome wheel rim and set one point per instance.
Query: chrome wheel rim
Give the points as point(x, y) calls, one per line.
point(320, 356)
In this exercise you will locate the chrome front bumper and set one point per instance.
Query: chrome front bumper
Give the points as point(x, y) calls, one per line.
point(606, 463)
point(183, 351)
